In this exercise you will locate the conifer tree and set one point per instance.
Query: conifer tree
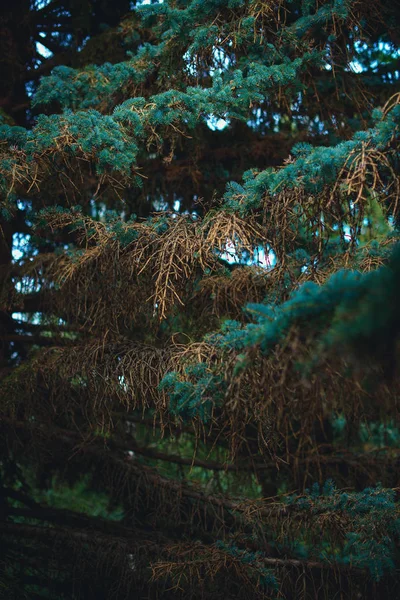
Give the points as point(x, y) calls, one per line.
point(200, 282)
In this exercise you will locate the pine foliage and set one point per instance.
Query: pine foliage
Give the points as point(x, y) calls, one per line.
point(199, 332)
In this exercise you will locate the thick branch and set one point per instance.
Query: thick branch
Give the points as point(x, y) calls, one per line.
point(38, 340)
point(45, 534)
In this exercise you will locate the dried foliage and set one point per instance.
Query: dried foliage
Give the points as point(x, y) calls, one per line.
point(180, 388)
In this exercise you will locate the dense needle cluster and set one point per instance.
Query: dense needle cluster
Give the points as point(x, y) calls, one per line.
point(200, 282)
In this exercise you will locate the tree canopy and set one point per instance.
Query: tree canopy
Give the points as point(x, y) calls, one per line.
point(199, 300)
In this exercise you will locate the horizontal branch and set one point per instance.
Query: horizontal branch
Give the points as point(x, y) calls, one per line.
point(181, 460)
point(336, 455)
point(39, 327)
point(69, 518)
point(37, 340)
point(55, 533)
point(110, 450)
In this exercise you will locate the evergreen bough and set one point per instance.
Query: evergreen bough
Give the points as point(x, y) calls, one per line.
point(200, 282)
